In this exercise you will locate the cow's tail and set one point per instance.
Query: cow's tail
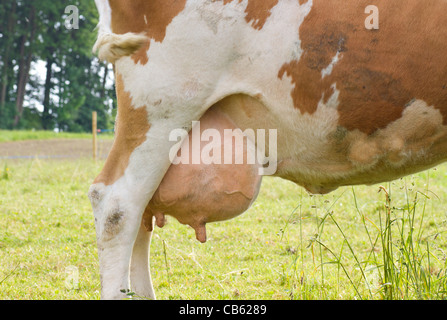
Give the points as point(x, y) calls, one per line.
point(110, 46)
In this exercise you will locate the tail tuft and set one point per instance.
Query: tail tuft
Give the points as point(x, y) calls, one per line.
point(110, 46)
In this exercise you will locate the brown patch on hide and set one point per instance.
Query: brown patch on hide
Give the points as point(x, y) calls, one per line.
point(142, 16)
point(130, 132)
point(257, 11)
point(379, 72)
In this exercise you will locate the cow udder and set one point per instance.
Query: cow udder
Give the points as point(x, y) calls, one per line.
point(196, 194)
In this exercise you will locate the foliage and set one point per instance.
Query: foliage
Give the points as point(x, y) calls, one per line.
point(33, 37)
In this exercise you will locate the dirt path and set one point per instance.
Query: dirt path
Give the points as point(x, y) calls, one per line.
point(53, 148)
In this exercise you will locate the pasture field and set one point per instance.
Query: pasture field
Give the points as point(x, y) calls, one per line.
point(19, 135)
point(376, 242)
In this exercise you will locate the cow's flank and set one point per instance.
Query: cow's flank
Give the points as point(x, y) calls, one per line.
point(378, 73)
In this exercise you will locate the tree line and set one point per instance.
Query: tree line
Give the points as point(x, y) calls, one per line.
point(49, 77)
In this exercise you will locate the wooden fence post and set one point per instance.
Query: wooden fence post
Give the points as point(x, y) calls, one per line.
point(94, 132)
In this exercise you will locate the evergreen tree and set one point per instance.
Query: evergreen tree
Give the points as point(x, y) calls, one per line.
point(74, 83)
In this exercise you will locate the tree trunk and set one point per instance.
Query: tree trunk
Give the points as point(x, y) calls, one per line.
point(104, 80)
point(8, 42)
point(24, 66)
point(46, 119)
point(20, 80)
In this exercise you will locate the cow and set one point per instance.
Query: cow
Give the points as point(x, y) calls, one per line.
point(356, 96)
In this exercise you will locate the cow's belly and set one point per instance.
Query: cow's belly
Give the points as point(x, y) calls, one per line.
point(198, 193)
point(318, 154)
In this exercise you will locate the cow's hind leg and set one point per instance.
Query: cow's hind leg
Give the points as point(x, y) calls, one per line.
point(140, 277)
point(147, 116)
point(119, 196)
point(117, 224)
point(118, 209)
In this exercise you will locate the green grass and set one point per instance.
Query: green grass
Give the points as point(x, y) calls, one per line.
point(18, 135)
point(355, 243)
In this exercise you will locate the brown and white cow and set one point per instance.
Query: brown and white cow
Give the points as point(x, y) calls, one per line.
point(351, 105)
